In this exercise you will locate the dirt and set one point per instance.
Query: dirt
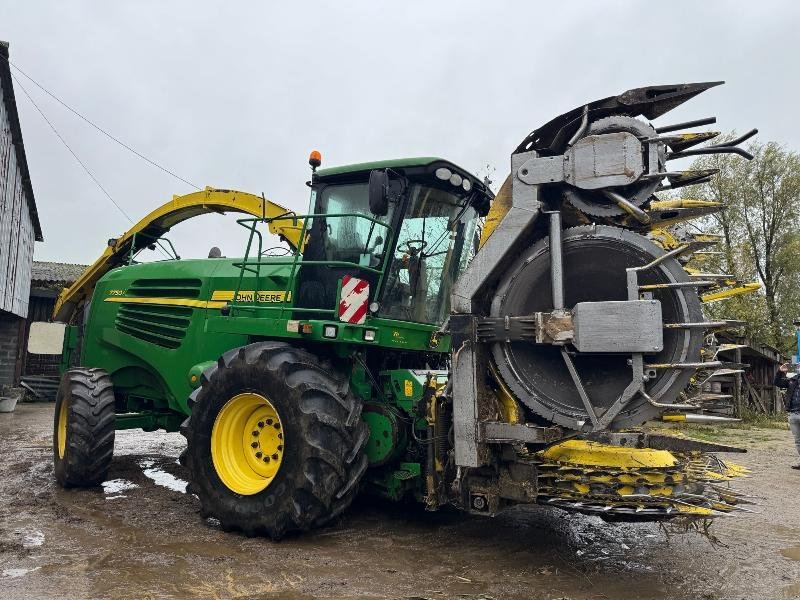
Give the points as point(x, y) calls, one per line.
point(140, 536)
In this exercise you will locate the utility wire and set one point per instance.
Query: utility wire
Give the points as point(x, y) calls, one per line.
point(74, 155)
point(71, 151)
point(97, 127)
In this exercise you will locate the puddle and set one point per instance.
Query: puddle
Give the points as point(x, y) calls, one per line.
point(162, 478)
point(792, 553)
point(14, 573)
point(792, 591)
point(115, 486)
point(33, 539)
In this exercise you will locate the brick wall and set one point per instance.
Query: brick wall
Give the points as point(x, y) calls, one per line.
point(9, 339)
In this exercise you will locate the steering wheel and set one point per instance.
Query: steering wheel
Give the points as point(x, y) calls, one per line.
point(407, 247)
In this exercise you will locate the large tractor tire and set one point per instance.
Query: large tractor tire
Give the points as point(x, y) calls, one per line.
point(83, 428)
point(275, 441)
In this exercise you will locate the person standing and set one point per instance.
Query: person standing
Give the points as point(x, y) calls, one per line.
point(791, 402)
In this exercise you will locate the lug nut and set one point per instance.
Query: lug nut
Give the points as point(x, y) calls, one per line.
point(266, 459)
point(261, 423)
point(280, 447)
point(259, 455)
point(255, 434)
point(269, 421)
point(277, 425)
point(254, 445)
point(275, 456)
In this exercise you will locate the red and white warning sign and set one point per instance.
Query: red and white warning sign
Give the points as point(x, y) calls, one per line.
point(354, 300)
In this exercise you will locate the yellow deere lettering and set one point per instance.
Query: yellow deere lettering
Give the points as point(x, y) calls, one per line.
point(409, 388)
point(265, 296)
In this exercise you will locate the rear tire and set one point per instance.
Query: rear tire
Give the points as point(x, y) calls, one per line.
point(83, 428)
point(318, 471)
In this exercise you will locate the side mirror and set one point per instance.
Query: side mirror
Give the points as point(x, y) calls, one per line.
point(379, 193)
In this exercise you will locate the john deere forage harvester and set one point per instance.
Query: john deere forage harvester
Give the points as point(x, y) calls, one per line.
point(396, 350)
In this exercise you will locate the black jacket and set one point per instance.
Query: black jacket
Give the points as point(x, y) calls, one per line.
point(790, 385)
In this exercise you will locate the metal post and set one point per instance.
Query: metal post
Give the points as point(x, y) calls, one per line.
point(556, 261)
point(737, 386)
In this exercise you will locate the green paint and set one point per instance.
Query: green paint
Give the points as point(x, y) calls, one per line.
point(154, 327)
point(420, 161)
point(379, 444)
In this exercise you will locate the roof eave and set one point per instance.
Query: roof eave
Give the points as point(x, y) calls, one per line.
point(16, 136)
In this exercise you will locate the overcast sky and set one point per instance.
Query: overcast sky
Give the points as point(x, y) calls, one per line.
point(235, 95)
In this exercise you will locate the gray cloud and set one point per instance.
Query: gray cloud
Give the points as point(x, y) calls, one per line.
point(236, 94)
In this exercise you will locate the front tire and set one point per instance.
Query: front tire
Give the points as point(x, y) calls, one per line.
point(275, 441)
point(83, 428)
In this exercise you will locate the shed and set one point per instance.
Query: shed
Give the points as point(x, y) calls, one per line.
point(754, 390)
point(19, 229)
point(39, 372)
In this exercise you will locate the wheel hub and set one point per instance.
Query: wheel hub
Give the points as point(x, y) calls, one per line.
point(247, 443)
point(62, 429)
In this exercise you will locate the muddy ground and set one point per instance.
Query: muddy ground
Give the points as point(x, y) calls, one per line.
point(141, 537)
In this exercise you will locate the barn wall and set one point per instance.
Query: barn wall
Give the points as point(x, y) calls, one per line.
point(9, 348)
point(16, 227)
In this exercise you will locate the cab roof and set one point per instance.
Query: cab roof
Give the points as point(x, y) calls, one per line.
point(397, 163)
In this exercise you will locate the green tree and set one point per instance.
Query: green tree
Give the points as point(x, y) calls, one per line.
point(761, 235)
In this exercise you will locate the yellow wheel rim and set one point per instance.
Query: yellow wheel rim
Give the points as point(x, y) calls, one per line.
point(247, 443)
point(61, 434)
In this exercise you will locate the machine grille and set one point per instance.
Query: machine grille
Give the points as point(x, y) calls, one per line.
point(161, 325)
point(166, 288)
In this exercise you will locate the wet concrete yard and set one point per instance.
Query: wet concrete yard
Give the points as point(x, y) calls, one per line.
point(140, 536)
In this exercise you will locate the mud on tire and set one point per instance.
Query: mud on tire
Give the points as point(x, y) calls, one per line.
point(323, 459)
point(83, 428)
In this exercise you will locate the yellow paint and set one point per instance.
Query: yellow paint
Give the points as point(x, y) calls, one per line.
point(179, 209)
point(61, 433)
point(510, 410)
point(247, 443)
point(664, 238)
point(263, 296)
point(581, 452)
point(745, 288)
point(683, 203)
point(694, 510)
point(500, 206)
point(187, 302)
point(581, 488)
point(673, 418)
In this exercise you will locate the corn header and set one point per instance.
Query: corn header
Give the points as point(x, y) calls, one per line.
point(395, 349)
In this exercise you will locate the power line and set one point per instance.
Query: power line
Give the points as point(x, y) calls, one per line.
point(97, 127)
point(74, 155)
point(71, 151)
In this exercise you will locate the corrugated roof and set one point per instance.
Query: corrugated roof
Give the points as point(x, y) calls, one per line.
point(56, 272)
point(16, 135)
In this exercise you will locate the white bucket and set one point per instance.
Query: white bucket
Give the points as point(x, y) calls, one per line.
point(8, 404)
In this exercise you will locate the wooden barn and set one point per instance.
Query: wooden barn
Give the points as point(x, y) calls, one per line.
point(40, 373)
point(19, 229)
point(753, 390)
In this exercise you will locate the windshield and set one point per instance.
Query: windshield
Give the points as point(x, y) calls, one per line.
point(355, 236)
point(433, 247)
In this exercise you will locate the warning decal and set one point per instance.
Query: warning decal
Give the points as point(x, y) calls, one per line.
point(354, 300)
